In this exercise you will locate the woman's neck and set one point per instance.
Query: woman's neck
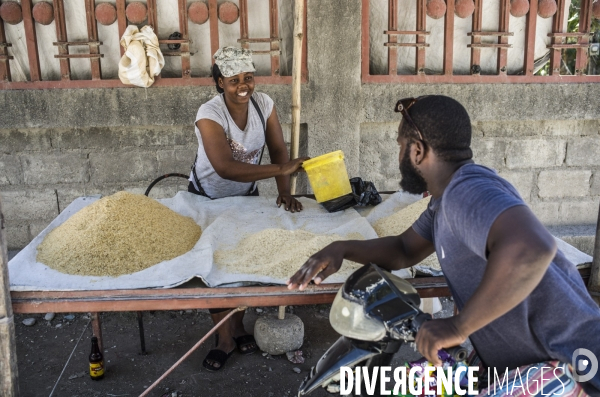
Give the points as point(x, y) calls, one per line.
point(238, 112)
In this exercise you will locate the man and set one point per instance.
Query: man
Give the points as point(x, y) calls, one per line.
point(520, 300)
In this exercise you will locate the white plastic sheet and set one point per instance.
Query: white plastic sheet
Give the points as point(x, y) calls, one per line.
point(224, 223)
point(401, 199)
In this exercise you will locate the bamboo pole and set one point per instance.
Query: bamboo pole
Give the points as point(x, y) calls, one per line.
point(296, 80)
point(9, 382)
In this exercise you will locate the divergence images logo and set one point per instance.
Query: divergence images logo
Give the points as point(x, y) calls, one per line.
point(582, 364)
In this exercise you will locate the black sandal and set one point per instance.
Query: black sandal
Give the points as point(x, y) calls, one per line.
point(216, 355)
point(246, 344)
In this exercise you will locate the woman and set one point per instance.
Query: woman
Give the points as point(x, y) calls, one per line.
point(232, 130)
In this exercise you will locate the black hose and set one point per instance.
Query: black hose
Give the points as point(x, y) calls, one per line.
point(160, 178)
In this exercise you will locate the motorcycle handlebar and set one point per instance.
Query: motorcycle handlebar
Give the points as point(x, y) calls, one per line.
point(458, 353)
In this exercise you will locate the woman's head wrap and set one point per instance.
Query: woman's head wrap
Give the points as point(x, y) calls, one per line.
point(234, 60)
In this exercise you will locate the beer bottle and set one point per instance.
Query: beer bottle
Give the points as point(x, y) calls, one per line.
point(96, 361)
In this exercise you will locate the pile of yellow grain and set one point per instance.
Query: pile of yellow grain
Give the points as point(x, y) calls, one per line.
point(278, 253)
point(401, 220)
point(119, 234)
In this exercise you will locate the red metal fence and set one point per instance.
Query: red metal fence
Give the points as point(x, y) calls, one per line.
point(556, 46)
point(11, 12)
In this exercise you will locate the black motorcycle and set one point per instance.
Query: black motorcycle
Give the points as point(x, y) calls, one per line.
point(375, 312)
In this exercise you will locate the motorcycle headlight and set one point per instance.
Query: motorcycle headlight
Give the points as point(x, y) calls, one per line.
point(348, 319)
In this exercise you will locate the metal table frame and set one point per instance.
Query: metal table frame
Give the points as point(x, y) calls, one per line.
point(187, 298)
point(140, 300)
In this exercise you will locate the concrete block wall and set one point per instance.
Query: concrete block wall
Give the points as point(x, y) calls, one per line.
point(44, 171)
point(553, 170)
point(557, 174)
point(57, 145)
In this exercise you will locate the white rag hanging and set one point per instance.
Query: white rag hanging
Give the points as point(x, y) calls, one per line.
point(142, 59)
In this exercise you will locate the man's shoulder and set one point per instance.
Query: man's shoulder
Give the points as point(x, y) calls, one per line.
point(475, 174)
point(474, 182)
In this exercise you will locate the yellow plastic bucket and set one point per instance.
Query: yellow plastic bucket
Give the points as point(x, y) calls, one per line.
point(328, 176)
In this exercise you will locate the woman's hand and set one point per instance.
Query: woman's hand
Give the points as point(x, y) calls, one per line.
point(319, 266)
point(289, 202)
point(292, 166)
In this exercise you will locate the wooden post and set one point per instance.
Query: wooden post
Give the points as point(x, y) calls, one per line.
point(9, 380)
point(594, 283)
point(296, 87)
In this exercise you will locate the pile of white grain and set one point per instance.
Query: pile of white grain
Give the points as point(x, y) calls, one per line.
point(119, 234)
point(279, 253)
point(401, 220)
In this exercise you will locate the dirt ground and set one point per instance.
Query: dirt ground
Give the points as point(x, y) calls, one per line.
point(43, 350)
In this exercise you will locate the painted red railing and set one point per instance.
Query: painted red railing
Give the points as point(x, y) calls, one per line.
point(63, 56)
point(556, 46)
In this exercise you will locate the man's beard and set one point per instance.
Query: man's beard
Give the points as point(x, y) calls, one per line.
point(412, 181)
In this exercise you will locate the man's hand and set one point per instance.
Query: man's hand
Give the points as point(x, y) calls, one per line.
point(322, 264)
point(435, 335)
point(289, 202)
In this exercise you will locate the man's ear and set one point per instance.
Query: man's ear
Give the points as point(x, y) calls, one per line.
point(418, 151)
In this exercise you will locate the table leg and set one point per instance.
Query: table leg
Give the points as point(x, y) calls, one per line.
point(97, 329)
point(141, 326)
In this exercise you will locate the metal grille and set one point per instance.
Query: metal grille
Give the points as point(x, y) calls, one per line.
point(557, 45)
point(63, 56)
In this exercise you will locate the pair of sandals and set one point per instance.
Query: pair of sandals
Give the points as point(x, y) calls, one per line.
point(246, 344)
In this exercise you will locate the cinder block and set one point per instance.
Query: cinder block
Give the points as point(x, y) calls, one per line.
point(521, 180)
point(10, 170)
point(19, 140)
point(17, 235)
point(582, 243)
point(547, 212)
point(595, 190)
point(570, 127)
point(489, 152)
point(85, 138)
point(123, 166)
point(29, 204)
point(157, 136)
point(66, 195)
point(532, 128)
point(491, 129)
point(535, 153)
point(36, 227)
point(177, 160)
point(564, 183)
point(584, 212)
point(378, 155)
point(55, 168)
point(583, 151)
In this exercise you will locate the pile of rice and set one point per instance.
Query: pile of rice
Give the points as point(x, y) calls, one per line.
point(401, 220)
point(119, 234)
point(279, 253)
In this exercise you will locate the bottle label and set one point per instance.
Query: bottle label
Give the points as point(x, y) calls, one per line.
point(96, 369)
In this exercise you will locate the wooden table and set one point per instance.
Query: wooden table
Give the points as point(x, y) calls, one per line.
point(188, 298)
point(195, 298)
